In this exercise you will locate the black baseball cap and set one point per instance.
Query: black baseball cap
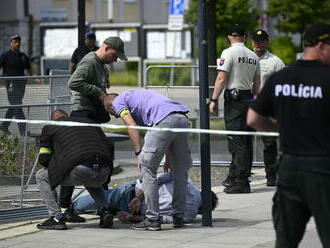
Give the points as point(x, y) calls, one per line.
point(90, 36)
point(317, 32)
point(15, 37)
point(260, 35)
point(117, 44)
point(236, 30)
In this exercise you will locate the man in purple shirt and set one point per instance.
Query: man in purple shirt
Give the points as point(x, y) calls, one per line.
point(149, 108)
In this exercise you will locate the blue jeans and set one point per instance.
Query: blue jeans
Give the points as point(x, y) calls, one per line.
point(117, 199)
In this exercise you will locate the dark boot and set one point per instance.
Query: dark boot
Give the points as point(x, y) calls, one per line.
point(231, 176)
point(238, 187)
point(271, 180)
point(228, 181)
point(106, 219)
point(71, 216)
point(178, 221)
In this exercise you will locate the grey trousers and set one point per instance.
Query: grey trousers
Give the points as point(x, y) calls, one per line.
point(156, 143)
point(80, 175)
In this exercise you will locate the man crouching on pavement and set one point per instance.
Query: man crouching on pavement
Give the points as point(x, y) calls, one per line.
point(73, 156)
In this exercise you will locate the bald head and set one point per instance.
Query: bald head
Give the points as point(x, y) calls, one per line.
point(58, 114)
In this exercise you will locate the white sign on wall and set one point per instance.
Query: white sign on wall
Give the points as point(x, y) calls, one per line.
point(60, 42)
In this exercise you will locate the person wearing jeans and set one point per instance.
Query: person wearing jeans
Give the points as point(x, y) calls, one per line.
point(149, 108)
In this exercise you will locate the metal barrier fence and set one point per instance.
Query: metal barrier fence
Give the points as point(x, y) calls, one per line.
point(32, 98)
point(19, 155)
point(18, 150)
point(179, 82)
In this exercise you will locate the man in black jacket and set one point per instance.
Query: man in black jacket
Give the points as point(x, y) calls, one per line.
point(73, 156)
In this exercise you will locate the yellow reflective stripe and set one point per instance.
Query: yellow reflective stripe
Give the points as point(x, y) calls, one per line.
point(124, 112)
point(45, 150)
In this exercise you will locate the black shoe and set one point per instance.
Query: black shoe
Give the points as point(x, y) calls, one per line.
point(147, 225)
point(178, 222)
point(71, 216)
point(52, 224)
point(271, 182)
point(238, 188)
point(271, 179)
point(228, 181)
point(106, 219)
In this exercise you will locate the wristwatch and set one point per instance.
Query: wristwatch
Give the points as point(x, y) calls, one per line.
point(137, 153)
point(214, 100)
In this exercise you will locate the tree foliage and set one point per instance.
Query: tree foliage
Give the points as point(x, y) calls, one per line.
point(283, 47)
point(295, 16)
point(228, 12)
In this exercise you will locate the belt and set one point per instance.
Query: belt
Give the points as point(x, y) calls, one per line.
point(237, 94)
point(94, 167)
point(180, 113)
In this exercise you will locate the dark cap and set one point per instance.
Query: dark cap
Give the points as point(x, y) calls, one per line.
point(90, 36)
point(317, 32)
point(15, 37)
point(236, 30)
point(260, 35)
point(117, 44)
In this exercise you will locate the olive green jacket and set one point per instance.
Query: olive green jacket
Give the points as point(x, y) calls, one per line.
point(88, 82)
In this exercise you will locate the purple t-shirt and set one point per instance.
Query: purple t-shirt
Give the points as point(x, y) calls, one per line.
point(147, 107)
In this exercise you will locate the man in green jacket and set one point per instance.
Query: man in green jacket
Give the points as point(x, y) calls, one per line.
point(89, 81)
point(88, 84)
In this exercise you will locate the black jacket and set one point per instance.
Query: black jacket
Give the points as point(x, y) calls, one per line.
point(71, 146)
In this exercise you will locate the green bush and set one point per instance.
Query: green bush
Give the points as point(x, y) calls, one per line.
point(12, 159)
point(283, 47)
point(128, 76)
point(168, 76)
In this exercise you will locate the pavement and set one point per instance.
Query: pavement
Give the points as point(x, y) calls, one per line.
point(240, 220)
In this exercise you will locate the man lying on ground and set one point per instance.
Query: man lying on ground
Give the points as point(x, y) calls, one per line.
point(127, 201)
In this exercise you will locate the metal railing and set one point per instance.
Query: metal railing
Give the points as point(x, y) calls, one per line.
point(191, 100)
point(24, 186)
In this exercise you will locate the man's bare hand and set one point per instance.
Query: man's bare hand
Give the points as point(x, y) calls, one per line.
point(134, 205)
point(213, 108)
point(167, 166)
point(107, 103)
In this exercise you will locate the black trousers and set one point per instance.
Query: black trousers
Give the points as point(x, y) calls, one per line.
point(240, 146)
point(15, 94)
point(301, 193)
point(67, 191)
point(270, 155)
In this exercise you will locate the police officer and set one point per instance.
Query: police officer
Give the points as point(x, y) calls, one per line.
point(298, 98)
point(90, 46)
point(269, 63)
point(14, 63)
point(239, 75)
